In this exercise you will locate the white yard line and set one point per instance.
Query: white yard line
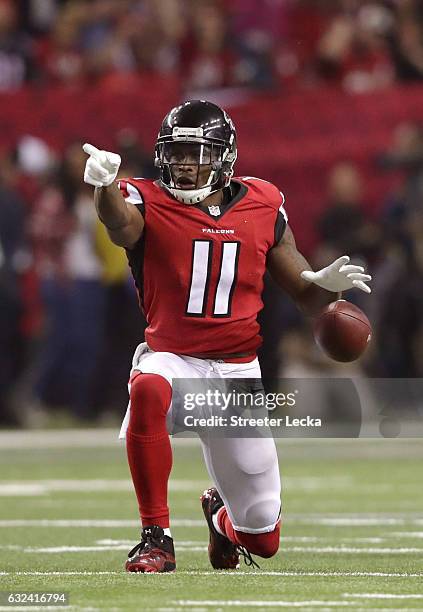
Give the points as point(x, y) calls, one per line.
point(351, 550)
point(67, 608)
point(26, 607)
point(283, 539)
point(45, 439)
point(385, 609)
point(108, 437)
point(382, 596)
point(406, 534)
point(332, 521)
point(201, 548)
point(261, 604)
point(201, 609)
point(85, 549)
point(71, 438)
point(109, 542)
point(231, 574)
point(364, 540)
point(359, 521)
point(32, 488)
point(108, 573)
point(103, 523)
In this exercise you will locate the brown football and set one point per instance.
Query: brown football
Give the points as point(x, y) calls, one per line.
point(342, 331)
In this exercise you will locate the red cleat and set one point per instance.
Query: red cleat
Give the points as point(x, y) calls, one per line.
point(154, 554)
point(222, 553)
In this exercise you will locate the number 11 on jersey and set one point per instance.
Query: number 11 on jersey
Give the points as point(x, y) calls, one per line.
point(201, 267)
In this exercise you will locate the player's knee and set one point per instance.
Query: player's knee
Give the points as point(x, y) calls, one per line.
point(263, 513)
point(150, 397)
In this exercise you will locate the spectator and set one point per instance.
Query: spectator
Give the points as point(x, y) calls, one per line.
point(343, 225)
point(59, 54)
point(401, 318)
point(407, 40)
point(37, 17)
point(405, 155)
point(207, 61)
point(16, 64)
point(258, 27)
point(148, 38)
point(353, 50)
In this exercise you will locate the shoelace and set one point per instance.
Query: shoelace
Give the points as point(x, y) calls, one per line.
point(148, 541)
point(248, 559)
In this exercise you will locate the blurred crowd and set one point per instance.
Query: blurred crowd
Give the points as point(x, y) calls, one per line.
point(263, 44)
point(69, 319)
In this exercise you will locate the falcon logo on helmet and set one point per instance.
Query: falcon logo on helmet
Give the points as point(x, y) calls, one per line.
point(196, 150)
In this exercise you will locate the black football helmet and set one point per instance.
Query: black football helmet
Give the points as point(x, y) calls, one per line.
point(196, 133)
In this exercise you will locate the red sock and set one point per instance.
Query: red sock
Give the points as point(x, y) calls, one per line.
point(148, 446)
point(261, 544)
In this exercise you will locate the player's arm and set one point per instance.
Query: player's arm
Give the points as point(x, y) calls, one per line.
point(311, 290)
point(124, 223)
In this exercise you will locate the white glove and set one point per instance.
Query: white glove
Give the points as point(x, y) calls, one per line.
point(102, 166)
point(339, 276)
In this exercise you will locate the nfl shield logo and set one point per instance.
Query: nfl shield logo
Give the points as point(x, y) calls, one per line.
point(214, 211)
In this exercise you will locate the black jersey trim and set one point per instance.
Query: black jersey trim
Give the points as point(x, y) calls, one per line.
point(135, 258)
point(280, 227)
point(141, 207)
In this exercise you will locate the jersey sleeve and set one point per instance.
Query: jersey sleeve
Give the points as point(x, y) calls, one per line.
point(132, 194)
point(269, 193)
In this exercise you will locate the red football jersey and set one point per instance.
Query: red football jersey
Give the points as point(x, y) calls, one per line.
point(199, 272)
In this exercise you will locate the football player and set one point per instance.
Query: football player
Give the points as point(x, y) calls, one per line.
point(198, 243)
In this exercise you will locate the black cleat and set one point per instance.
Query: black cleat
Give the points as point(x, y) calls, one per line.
point(154, 554)
point(222, 553)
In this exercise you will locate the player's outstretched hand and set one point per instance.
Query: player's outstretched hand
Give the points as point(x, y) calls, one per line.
point(339, 276)
point(102, 166)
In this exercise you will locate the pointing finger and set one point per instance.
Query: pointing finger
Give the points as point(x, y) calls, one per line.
point(91, 150)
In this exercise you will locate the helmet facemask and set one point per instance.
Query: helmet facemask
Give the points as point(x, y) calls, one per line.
point(193, 168)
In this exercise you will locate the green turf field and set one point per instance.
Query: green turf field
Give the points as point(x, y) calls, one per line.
point(352, 537)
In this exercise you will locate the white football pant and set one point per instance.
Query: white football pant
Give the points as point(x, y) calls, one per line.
point(244, 470)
